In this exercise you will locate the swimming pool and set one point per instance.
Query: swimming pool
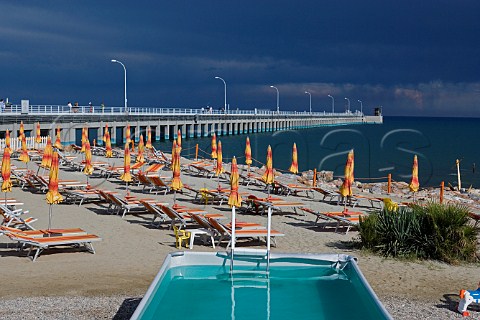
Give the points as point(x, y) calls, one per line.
point(199, 285)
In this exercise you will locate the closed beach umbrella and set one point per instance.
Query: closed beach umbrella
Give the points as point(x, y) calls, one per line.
point(84, 138)
point(268, 176)
point(219, 166)
point(24, 153)
point(38, 138)
point(176, 180)
point(22, 130)
point(133, 145)
point(58, 140)
point(141, 149)
point(149, 139)
point(7, 141)
point(94, 142)
point(6, 170)
point(179, 139)
point(126, 176)
point(47, 154)
point(53, 196)
point(346, 187)
point(105, 133)
point(214, 146)
point(294, 166)
point(127, 135)
point(414, 184)
point(234, 199)
point(248, 153)
point(88, 170)
point(108, 145)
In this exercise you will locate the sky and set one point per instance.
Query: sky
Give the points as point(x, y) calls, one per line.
point(413, 58)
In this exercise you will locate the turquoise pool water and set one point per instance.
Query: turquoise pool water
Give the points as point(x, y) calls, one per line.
point(291, 292)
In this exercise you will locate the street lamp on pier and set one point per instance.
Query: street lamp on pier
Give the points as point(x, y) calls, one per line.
point(225, 86)
point(310, 100)
point(278, 98)
point(348, 105)
point(361, 107)
point(125, 78)
point(333, 104)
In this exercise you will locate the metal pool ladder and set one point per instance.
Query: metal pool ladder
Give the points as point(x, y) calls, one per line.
point(258, 279)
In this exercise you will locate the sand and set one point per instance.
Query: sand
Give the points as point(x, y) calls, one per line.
point(132, 251)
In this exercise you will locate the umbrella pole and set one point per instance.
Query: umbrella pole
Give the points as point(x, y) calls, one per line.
point(128, 193)
point(49, 218)
point(174, 197)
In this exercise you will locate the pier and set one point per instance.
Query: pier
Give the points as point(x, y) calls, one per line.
point(164, 122)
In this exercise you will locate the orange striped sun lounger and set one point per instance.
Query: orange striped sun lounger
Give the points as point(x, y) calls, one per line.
point(42, 233)
point(226, 233)
point(274, 203)
point(43, 243)
point(345, 218)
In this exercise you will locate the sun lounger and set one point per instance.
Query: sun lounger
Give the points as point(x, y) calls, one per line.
point(374, 201)
point(294, 189)
point(159, 184)
point(344, 218)
point(226, 233)
point(43, 243)
point(275, 203)
point(328, 195)
point(156, 211)
point(12, 217)
point(81, 196)
point(42, 233)
point(124, 206)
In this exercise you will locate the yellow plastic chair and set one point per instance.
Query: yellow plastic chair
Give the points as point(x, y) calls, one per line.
point(181, 235)
point(204, 194)
point(390, 205)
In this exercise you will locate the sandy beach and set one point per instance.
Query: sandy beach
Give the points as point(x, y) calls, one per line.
point(71, 284)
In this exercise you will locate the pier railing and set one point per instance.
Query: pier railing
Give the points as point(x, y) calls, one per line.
point(98, 110)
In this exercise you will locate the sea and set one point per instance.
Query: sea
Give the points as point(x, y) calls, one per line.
point(379, 149)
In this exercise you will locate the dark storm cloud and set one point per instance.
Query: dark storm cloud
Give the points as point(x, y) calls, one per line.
point(412, 57)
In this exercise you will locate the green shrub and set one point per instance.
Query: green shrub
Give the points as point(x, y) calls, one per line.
point(435, 231)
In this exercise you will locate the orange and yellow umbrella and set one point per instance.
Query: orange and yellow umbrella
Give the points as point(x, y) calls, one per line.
point(58, 140)
point(53, 196)
point(84, 138)
point(346, 187)
point(234, 199)
point(105, 133)
point(176, 180)
point(24, 157)
point(108, 145)
point(219, 165)
point(88, 170)
point(7, 141)
point(149, 139)
point(141, 149)
point(6, 171)
point(268, 177)
point(414, 184)
point(22, 130)
point(214, 146)
point(38, 138)
point(47, 154)
point(294, 166)
point(248, 153)
point(133, 145)
point(127, 135)
point(179, 139)
point(126, 176)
